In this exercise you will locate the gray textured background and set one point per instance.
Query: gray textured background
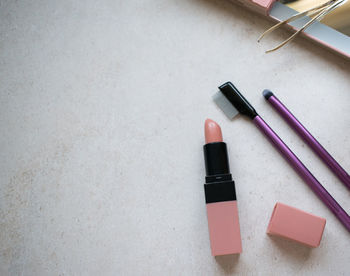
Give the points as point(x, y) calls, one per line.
point(101, 121)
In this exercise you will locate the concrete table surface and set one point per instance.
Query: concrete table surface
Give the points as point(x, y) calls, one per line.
point(101, 121)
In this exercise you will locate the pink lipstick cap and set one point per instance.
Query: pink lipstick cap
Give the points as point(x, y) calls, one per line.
point(297, 225)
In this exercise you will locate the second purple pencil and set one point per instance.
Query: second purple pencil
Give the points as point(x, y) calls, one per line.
point(308, 138)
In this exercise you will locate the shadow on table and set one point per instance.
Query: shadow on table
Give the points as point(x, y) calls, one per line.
point(227, 262)
point(296, 251)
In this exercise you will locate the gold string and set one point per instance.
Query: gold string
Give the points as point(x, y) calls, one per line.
point(318, 12)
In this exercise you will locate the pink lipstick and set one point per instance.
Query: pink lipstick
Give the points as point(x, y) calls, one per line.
point(220, 195)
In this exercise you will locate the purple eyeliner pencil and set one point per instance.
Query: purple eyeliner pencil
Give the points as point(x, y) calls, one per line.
point(308, 138)
point(232, 102)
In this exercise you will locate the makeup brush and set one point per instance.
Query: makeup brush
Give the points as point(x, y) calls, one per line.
point(232, 102)
point(308, 138)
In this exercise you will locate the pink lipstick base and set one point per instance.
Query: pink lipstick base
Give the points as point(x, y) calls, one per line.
point(225, 235)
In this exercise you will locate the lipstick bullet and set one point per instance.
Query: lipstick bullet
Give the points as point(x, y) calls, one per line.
point(220, 194)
